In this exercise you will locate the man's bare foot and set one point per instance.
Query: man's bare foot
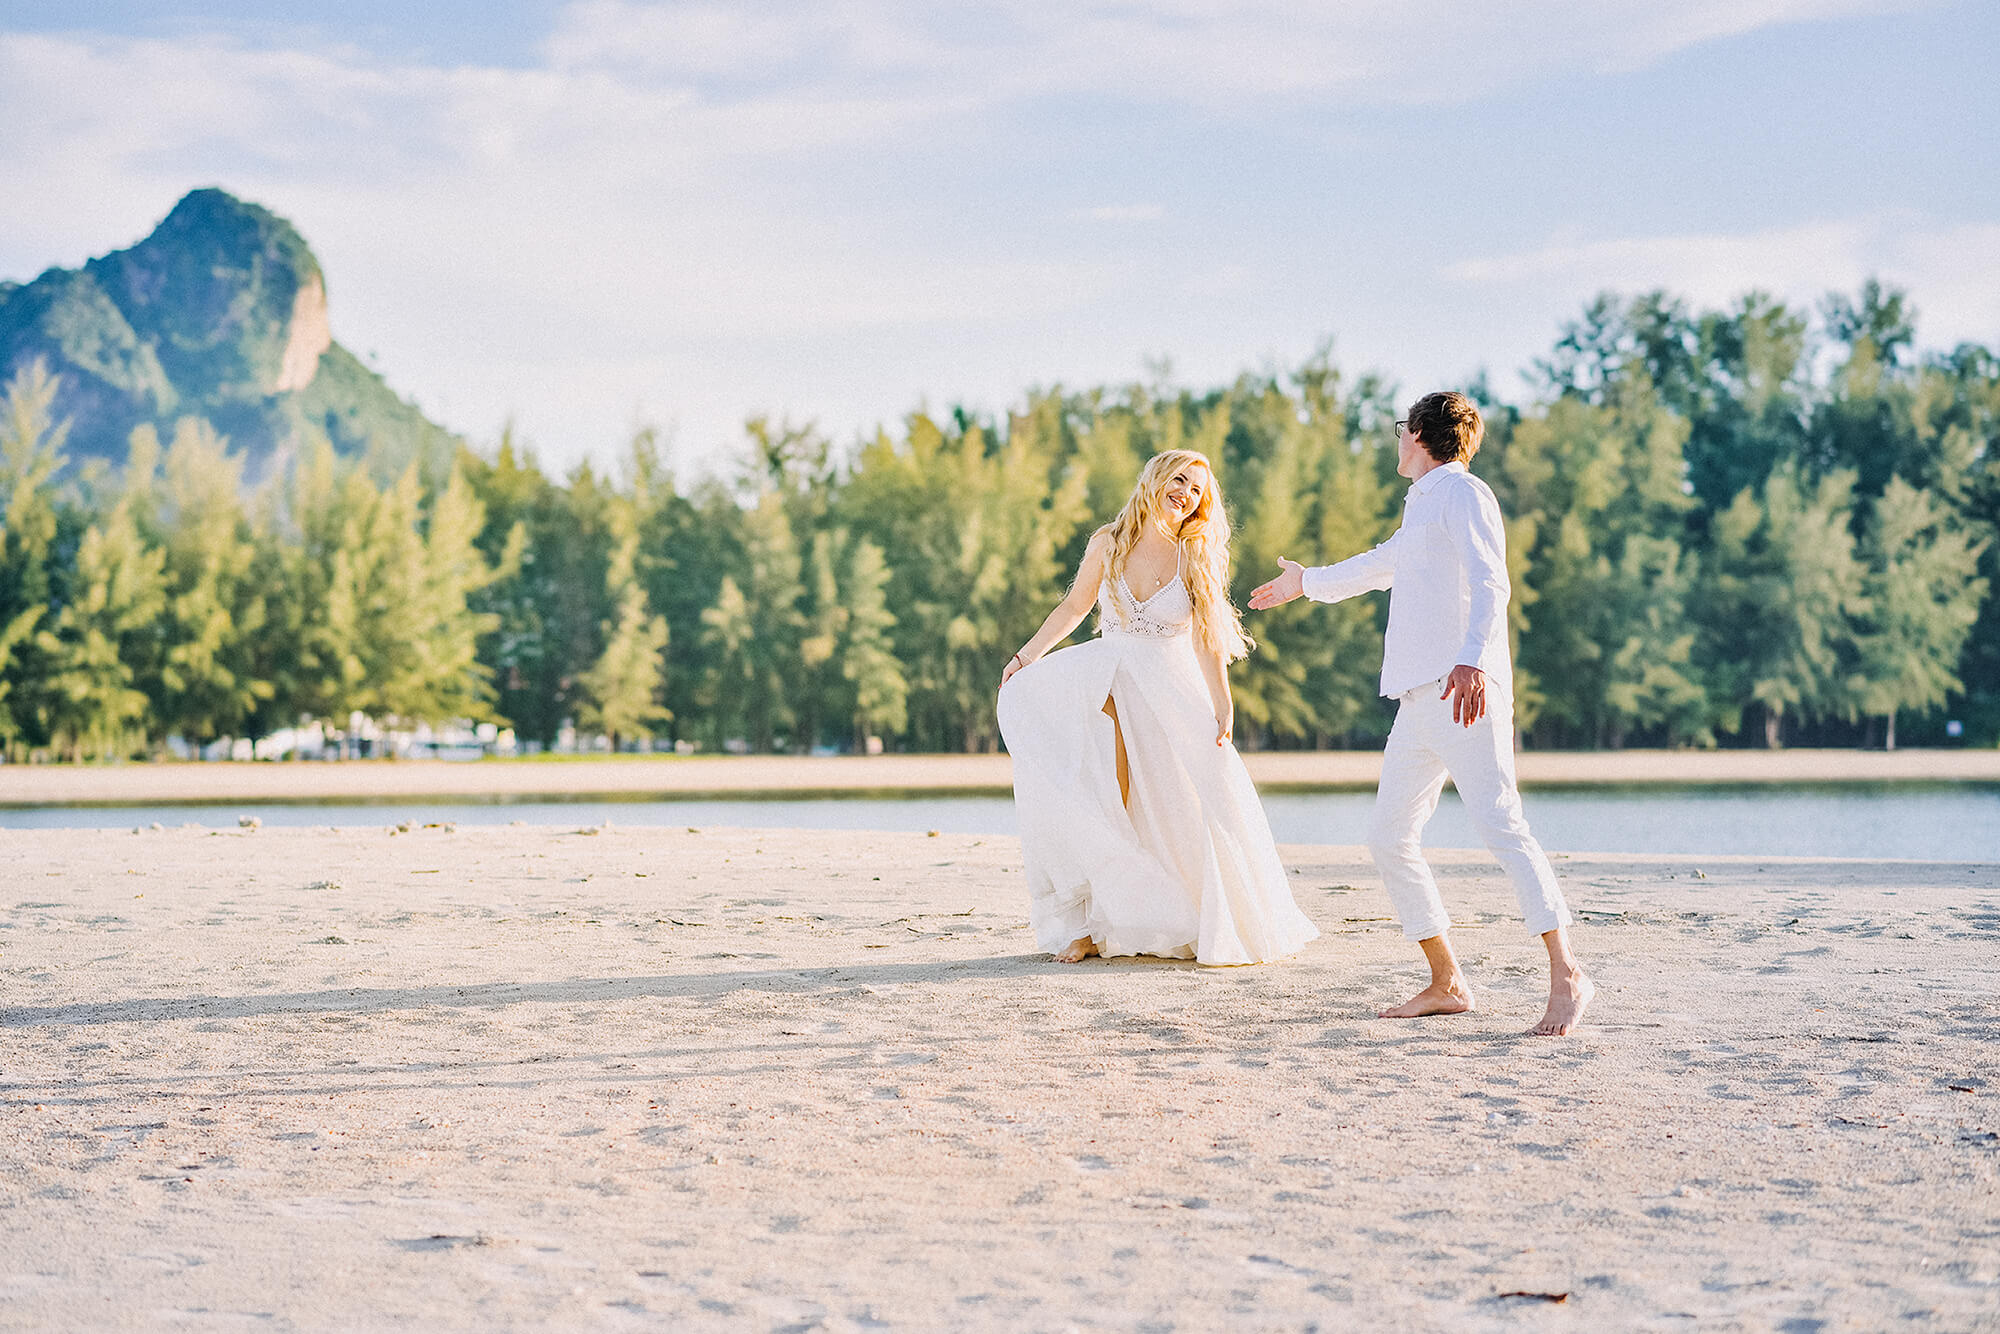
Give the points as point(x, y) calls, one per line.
point(1437, 998)
point(1569, 996)
point(1079, 949)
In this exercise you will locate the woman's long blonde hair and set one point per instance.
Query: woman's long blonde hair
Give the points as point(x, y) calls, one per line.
point(1204, 538)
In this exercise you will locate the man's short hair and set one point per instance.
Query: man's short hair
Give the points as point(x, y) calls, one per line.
point(1449, 426)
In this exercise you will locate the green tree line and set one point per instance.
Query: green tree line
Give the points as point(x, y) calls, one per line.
point(1759, 525)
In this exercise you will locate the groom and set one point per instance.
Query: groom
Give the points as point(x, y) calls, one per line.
point(1445, 661)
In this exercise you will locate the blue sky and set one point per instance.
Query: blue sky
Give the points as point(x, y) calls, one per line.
point(587, 217)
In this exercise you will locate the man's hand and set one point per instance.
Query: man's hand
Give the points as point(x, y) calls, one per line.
point(1290, 583)
point(1470, 683)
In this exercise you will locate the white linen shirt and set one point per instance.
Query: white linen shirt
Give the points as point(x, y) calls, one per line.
point(1446, 569)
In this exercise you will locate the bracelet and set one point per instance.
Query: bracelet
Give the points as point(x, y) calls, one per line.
point(1017, 658)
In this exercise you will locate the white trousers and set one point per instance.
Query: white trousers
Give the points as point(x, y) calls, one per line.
point(1426, 746)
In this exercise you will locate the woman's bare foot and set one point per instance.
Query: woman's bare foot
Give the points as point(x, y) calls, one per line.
point(1079, 949)
point(1438, 998)
point(1569, 996)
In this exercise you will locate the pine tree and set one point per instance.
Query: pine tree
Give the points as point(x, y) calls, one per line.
point(1356, 505)
point(207, 682)
point(1782, 593)
point(527, 525)
point(1922, 600)
point(375, 601)
point(867, 656)
point(1002, 566)
point(976, 532)
point(311, 569)
point(1108, 458)
point(1959, 411)
point(449, 681)
point(91, 706)
point(753, 631)
point(1273, 514)
point(1586, 481)
point(1746, 404)
point(620, 693)
point(31, 454)
point(384, 584)
point(1651, 680)
point(687, 545)
point(822, 686)
point(1865, 423)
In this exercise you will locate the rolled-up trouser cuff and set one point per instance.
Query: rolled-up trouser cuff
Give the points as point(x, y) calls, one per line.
point(1547, 920)
point(1427, 928)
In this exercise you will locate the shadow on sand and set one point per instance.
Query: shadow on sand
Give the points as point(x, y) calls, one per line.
point(568, 991)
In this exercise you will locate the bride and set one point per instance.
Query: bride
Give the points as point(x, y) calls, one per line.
point(1141, 831)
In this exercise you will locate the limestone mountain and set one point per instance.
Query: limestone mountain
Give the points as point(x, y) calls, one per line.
point(220, 313)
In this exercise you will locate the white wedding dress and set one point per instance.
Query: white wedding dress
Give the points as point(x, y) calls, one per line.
point(1188, 869)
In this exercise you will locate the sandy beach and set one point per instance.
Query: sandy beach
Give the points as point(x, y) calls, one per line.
point(793, 775)
point(600, 1078)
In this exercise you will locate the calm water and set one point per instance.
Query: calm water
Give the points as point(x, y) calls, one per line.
point(1944, 822)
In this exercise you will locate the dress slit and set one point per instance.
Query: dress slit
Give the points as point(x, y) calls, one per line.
point(1119, 757)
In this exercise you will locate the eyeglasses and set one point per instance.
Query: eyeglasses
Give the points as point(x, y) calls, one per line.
point(1402, 423)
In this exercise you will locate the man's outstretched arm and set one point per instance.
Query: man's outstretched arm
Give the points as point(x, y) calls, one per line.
point(1371, 570)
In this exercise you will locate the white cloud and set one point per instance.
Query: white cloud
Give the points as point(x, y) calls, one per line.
point(1952, 269)
point(699, 210)
point(1212, 52)
point(598, 239)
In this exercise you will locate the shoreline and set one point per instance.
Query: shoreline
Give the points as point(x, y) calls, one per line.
point(795, 777)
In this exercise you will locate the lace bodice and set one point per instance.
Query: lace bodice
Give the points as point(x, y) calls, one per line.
point(1167, 613)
